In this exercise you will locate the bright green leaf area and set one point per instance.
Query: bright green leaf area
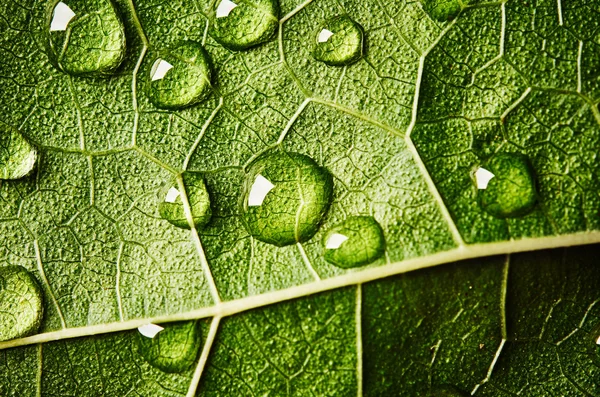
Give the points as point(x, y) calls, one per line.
point(400, 131)
point(525, 324)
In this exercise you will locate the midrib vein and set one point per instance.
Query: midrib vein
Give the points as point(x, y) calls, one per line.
point(232, 307)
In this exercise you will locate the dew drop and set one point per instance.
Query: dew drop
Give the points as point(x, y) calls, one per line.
point(17, 155)
point(443, 10)
point(356, 241)
point(180, 77)
point(21, 305)
point(171, 206)
point(511, 191)
point(85, 38)
point(284, 197)
point(150, 330)
point(242, 24)
point(174, 348)
point(339, 41)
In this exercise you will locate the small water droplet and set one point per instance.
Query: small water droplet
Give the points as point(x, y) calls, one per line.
point(284, 197)
point(171, 205)
point(242, 24)
point(443, 10)
point(180, 77)
point(356, 241)
point(150, 330)
point(339, 41)
point(512, 190)
point(85, 39)
point(173, 349)
point(17, 155)
point(21, 305)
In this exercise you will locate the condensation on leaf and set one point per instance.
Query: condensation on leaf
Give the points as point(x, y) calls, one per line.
point(180, 77)
point(242, 24)
point(171, 205)
point(85, 38)
point(339, 41)
point(284, 197)
point(17, 155)
point(443, 10)
point(173, 349)
point(512, 190)
point(357, 241)
point(21, 303)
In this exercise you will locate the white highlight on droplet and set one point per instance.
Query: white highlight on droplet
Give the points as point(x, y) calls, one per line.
point(159, 69)
point(335, 241)
point(324, 35)
point(172, 195)
point(598, 340)
point(150, 330)
point(61, 17)
point(259, 190)
point(482, 178)
point(225, 8)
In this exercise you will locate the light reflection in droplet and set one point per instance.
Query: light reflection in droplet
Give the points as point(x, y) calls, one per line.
point(172, 195)
point(225, 8)
point(324, 35)
point(61, 17)
point(260, 188)
point(335, 241)
point(482, 178)
point(598, 340)
point(150, 330)
point(160, 69)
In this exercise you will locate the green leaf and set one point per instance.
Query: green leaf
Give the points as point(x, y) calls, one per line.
point(524, 324)
point(401, 132)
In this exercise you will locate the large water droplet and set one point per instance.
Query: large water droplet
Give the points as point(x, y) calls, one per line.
point(174, 348)
point(356, 241)
point(180, 77)
point(241, 24)
point(21, 305)
point(445, 391)
point(171, 205)
point(508, 189)
point(17, 155)
point(84, 37)
point(285, 196)
point(339, 41)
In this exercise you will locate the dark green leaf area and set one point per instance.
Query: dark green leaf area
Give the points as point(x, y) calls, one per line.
point(180, 76)
point(430, 328)
point(21, 303)
point(339, 41)
point(284, 197)
point(174, 349)
point(85, 37)
point(242, 24)
point(172, 208)
point(356, 241)
point(511, 192)
point(17, 155)
point(445, 391)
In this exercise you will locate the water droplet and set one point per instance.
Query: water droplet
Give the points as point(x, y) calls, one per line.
point(17, 155)
point(85, 38)
point(512, 191)
point(171, 205)
point(180, 77)
point(285, 196)
point(21, 306)
point(173, 349)
point(445, 391)
point(339, 42)
point(150, 330)
point(356, 241)
point(443, 10)
point(241, 24)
